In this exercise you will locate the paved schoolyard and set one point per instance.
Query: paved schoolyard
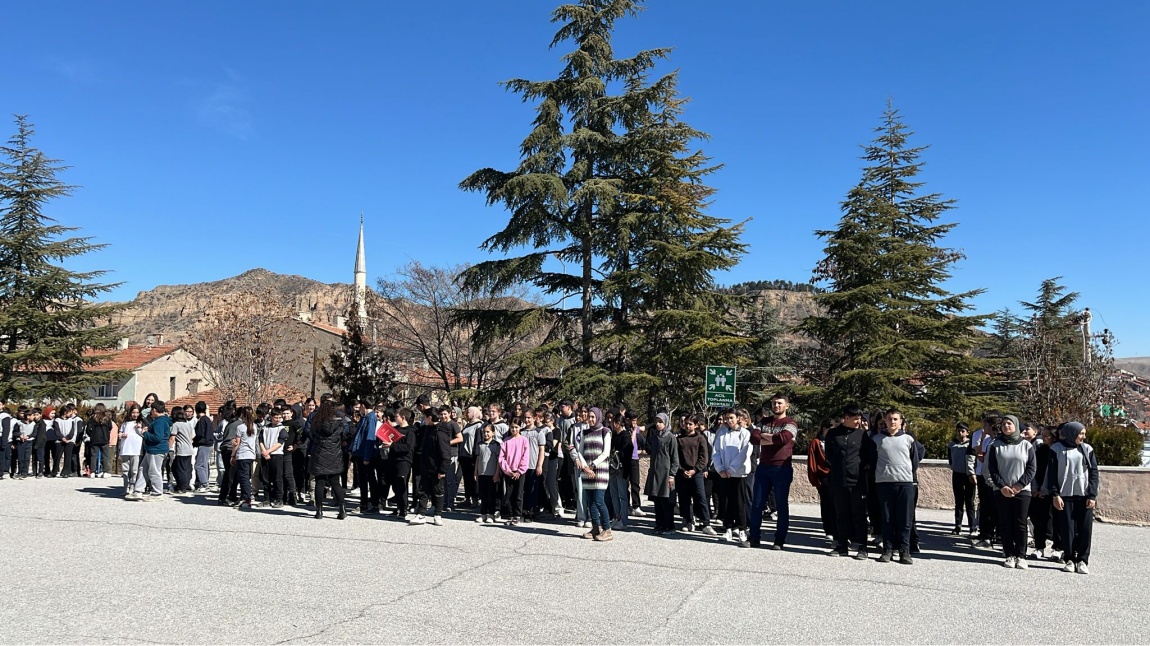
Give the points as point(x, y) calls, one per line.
point(83, 566)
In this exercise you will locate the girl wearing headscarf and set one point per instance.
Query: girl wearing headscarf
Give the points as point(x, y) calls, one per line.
point(664, 450)
point(1072, 481)
point(1011, 465)
point(595, 452)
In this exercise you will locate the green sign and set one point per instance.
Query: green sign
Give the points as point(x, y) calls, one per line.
point(720, 386)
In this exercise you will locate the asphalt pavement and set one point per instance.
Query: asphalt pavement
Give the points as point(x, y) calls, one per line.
point(84, 566)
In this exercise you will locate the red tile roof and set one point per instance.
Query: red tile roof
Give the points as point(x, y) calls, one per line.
point(131, 358)
point(324, 327)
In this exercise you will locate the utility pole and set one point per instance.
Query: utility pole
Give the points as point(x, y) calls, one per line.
point(1086, 316)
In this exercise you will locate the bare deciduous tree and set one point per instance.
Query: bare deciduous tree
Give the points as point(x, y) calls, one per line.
point(246, 349)
point(418, 317)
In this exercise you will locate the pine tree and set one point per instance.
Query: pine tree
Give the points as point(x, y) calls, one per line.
point(359, 367)
point(610, 184)
point(50, 331)
point(1048, 373)
point(889, 332)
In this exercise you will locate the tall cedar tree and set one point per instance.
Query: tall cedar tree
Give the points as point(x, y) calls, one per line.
point(609, 184)
point(50, 332)
point(889, 332)
point(359, 368)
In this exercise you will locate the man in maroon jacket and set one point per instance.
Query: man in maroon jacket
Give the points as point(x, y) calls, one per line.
point(776, 442)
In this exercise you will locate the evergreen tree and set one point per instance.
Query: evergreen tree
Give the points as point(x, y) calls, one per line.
point(889, 332)
point(1051, 371)
point(359, 367)
point(50, 332)
point(609, 184)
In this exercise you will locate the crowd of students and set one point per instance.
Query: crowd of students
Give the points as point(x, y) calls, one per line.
point(1035, 486)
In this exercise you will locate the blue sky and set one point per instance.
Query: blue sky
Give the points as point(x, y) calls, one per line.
point(213, 137)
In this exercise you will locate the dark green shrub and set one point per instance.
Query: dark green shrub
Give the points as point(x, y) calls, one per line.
point(934, 436)
point(1116, 446)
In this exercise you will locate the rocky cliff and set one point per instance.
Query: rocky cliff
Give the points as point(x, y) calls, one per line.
point(172, 310)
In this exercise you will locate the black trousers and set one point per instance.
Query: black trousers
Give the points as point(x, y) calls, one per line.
point(735, 500)
point(5, 457)
point(850, 514)
point(72, 458)
point(826, 509)
point(272, 470)
point(243, 475)
point(664, 512)
point(467, 466)
point(1077, 528)
point(531, 486)
point(1012, 514)
point(692, 494)
point(302, 477)
point(56, 459)
point(873, 506)
point(290, 491)
point(486, 487)
point(369, 477)
point(963, 490)
point(897, 500)
point(551, 485)
point(566, 483)
point(332, 481)
point(431, 492)
point(182, 470)
point(229, 483)
point(987, 515)
point(513, 494)
point(1040, 516)
point(398, 474)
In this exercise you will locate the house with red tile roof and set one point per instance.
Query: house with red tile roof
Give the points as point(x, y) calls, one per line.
point(167, 370)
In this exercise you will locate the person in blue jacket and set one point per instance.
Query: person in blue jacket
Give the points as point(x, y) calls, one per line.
point(156, 439)
point(365, 453)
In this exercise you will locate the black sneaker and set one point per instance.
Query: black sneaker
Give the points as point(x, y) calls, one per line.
point(778, 547)
point(957, 531)
point(886, 557)
point(905, 558)
point(839, 551)
point(862, 554)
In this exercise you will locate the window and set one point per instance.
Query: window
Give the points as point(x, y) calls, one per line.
point(108, 391)
point(172, 388)
point(194, 387)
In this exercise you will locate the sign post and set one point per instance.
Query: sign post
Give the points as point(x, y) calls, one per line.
point(719, 388)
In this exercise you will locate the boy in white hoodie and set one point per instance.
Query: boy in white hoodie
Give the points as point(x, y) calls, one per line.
point(732, 460)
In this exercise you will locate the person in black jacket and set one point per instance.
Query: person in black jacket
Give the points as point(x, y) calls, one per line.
point(435, 460)
point(397, 466)
point(203, 440)
point(329, 430)
point(99, 429)
point(847, 480)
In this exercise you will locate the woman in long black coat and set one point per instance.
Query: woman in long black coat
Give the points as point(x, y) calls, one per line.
point(328, 429)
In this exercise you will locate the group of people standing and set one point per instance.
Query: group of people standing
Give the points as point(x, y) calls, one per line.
point(516, 465)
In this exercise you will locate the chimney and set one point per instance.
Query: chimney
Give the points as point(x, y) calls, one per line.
point(122, 344)
point(150, 340)
point(341, 322)
point(305, 316)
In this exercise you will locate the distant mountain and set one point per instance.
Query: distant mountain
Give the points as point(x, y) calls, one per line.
point(1138, 365)
point(172, 310)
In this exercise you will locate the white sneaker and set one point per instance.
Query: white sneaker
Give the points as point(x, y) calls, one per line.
point(481, 519)
point(709, 531)
point(561, 514)
point(419, 519)
point(1009, 562)
point(726, 536)
point(636, 511)
point(1021, 564)
point(1083, 568)
point(1068, 567)
point(437, 521)
point(686, 529)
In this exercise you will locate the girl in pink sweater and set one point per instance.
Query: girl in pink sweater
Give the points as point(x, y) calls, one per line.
point(513, 461)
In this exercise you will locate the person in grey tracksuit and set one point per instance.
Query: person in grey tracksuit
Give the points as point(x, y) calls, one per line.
point(1010, 464)
point(1072, 479)
point(894, 456)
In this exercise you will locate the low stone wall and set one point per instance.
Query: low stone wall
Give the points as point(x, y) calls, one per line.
point(1123, 496)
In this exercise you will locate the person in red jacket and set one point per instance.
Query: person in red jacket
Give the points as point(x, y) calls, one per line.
point(776, 442)
point(817, 471)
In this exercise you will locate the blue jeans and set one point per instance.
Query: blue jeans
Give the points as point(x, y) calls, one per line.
point(618, 488)
point(778, 480)
point(594, 501)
